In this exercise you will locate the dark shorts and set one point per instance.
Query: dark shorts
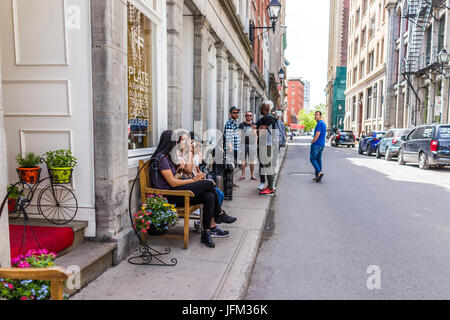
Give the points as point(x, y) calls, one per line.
point(250, 155)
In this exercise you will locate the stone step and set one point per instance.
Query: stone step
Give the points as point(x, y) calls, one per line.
point(78, 228)
point(93, 258)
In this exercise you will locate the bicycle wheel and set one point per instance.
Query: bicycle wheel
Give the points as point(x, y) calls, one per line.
point(57, 204)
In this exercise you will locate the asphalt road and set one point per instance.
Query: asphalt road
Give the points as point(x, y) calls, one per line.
point(369, 224)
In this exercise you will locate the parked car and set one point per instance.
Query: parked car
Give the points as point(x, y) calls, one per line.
point(344, 138)
point(369, 143)
point(427, 145)
point(391, 143)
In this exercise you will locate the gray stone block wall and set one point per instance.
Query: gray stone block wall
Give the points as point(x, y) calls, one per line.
point(109, 68)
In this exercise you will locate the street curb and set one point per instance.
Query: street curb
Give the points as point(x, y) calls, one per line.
point(234, 285)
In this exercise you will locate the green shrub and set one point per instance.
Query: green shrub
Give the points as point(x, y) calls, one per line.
point(60, 159)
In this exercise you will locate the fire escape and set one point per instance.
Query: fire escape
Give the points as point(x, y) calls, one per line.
point(416, 63)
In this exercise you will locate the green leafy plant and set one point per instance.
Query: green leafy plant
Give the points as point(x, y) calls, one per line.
point(31, 160)
point(157, 212)
point(60, 159)
point(14, 192)
point(28, 289)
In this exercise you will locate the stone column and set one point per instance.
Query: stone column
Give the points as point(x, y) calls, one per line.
point(253, 102)
point(445, 101)
point(222, 70)
point(390, 102)
point(232, 80)
point(175, 63)
point(200, 74)
point(110, 114)
point(431, 99)
point(400, 108)
point(246, 96)
point(240, 80)
point(5, 251)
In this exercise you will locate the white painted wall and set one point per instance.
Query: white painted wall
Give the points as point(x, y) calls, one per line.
point(5, 254)
point(46, 67)
point(188, 73)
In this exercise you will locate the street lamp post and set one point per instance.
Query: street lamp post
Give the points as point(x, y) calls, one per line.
point(273, 10)
point(281, 75)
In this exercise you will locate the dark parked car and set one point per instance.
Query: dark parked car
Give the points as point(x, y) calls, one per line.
point(428, 145)
point(391, 143)
point(343, 138)
point(370, 143)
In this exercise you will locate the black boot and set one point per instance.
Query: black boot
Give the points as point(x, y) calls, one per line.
point(207, 240)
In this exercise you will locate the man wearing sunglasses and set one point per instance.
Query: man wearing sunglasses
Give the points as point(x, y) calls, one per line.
point(248, 131)
point(231, 145)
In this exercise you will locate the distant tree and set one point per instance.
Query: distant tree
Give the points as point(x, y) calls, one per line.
point(308, 119)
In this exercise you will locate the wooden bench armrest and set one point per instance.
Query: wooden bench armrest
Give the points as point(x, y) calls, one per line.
point(44, 274)
point(176, 193)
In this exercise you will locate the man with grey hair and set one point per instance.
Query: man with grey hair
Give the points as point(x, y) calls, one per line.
point(266, 146)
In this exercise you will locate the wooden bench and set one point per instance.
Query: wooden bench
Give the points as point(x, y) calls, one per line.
point(56, 275)
point(184, 212)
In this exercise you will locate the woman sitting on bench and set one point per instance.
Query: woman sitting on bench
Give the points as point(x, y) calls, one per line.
point(163, 176)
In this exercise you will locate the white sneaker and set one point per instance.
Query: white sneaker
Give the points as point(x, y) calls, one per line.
point(262, 186)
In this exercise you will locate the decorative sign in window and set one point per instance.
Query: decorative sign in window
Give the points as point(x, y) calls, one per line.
point(140, 117)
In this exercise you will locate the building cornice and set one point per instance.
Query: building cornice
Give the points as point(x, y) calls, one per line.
point(230, 10)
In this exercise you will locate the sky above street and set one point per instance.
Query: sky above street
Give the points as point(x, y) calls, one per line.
point(307, 24)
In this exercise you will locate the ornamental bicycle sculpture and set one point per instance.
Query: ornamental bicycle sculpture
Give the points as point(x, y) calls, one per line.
point(55, 202)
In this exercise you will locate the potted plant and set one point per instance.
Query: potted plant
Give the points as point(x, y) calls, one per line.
point(28, 289)
point(60, 165)
point(13, 195)
point(29, 170)
point(156, 216)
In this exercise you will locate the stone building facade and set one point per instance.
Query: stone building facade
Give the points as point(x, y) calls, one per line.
point(366, 66)
point(337, 63)
point(108, 78)
point(416, 92)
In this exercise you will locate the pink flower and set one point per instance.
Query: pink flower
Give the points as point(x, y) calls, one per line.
point(24, 298)
point(23, 265)
point(144, 230)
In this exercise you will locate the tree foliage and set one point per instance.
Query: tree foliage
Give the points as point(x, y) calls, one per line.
point(308, 120)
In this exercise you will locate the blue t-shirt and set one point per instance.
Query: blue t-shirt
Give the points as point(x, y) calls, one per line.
point(322, 128)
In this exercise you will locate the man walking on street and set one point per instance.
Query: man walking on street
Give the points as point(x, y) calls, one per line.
point(248, 131)
point(317, 146)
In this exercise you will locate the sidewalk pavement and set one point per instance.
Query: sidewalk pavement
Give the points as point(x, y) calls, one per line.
point(201, 273)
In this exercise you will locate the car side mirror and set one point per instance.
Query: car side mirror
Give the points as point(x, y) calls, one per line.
point(403, 138)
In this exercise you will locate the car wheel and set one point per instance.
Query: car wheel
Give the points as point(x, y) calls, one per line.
point(369, 150)
point(378, 153)
point(423, 163)
point(400, 158)
point(353, 146)
point(388, 155)
point(360, 151)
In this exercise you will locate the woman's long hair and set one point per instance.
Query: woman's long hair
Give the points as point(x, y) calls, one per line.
point(165, 146)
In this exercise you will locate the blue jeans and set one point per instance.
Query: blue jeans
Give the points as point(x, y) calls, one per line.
point(316, 158)
point(220, 195)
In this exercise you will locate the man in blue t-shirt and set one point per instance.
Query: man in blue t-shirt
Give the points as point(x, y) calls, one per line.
point(318, 145)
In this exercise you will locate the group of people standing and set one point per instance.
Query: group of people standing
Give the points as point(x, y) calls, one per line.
point(175, 165)
point(262, 141)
